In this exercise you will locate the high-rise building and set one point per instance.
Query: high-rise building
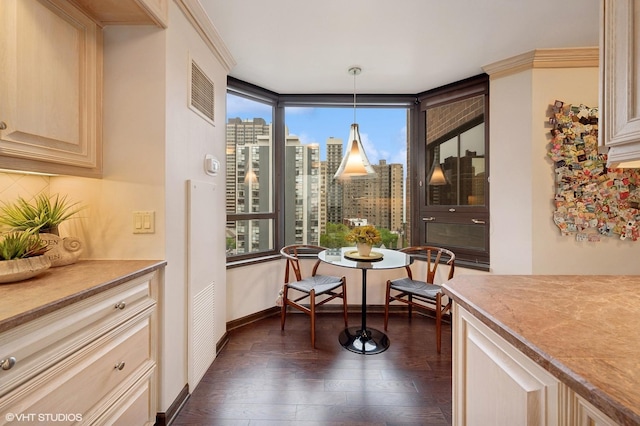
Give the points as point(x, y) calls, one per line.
point(378, 199)
point(302, 192)
point(334, 213)
point(249, 153)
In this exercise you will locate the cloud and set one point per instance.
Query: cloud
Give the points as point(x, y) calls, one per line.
point(370, 149)
point(245, 108)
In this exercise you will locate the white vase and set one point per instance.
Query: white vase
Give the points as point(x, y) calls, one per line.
point(364, 249)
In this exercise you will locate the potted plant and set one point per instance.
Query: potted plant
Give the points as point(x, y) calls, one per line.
point(22, 256)
point(43, 216)
point(364, 237)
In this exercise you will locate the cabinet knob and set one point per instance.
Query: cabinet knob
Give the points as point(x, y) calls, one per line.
point(8, 363)
point(119, 366)
point(3, 125)
point(121, 305)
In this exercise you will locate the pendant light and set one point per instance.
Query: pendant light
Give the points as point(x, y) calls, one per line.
point(355, 161)
point(436, 175)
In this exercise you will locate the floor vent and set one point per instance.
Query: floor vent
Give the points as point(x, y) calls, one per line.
point(202, 96)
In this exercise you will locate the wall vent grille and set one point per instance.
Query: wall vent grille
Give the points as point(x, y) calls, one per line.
point(202, 95)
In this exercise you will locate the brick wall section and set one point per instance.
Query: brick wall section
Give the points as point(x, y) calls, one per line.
point(445, 118)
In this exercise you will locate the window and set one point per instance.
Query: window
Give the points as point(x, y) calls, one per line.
point(317, 204)
point(251, 217)
point(280, 185)
point(453, 184)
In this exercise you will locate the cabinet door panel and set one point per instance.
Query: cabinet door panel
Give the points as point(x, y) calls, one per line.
point(620, 78)
point(49, 96)
point(494, 384)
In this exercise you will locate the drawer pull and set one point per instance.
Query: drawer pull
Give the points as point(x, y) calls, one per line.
point(8, 363)
point(478, 221)
point(428, 219)
point(121, 305)
point(119, 366)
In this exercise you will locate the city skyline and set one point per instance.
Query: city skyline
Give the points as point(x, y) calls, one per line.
point(383, 130)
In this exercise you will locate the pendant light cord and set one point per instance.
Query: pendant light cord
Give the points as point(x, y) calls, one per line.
point(354, 95)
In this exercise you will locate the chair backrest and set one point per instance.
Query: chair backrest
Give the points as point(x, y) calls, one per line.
point(433, 256)
point(293, 253)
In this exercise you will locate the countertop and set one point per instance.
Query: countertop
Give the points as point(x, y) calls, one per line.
point(55, 288)
point(584, 330)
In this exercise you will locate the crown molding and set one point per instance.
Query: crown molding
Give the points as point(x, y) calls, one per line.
point(578, 57)
point(201, 22)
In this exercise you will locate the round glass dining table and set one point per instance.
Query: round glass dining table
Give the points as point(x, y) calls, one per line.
point(365, 340)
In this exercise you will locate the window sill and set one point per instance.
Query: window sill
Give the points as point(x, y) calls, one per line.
point(253, 260)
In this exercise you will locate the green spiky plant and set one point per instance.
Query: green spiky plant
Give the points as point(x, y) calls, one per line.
point(21, 244)
point(44, 215)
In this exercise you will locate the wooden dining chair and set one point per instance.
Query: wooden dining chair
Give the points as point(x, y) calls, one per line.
point(327, 286)
point(425, 293)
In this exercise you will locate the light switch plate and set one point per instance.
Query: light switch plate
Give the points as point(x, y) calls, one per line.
point(144, 222)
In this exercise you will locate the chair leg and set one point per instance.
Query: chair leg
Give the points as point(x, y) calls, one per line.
point(410, 306)
point(283, 311)
point(386, 305)
point(344, 301)
point(312, 307)
point(439, 322)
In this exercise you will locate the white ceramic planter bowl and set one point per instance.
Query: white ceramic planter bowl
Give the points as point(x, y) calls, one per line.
point(22, 269)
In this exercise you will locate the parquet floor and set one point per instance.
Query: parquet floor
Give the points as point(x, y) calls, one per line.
point(265, 377)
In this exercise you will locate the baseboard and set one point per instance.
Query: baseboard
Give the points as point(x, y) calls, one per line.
point(332, 308)
point(231, 325)
point(165, 419)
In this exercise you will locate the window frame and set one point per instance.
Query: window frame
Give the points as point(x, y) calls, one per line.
point(454, 92)
point(258, 94)
point(414, 103)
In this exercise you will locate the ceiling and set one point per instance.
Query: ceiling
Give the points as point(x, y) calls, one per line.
point(402, 46)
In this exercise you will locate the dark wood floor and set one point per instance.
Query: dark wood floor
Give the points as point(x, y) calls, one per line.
point(266, 377)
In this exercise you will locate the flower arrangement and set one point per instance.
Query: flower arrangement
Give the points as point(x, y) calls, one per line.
point(367, 234)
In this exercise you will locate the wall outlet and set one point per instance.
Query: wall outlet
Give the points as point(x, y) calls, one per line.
point(144, 222)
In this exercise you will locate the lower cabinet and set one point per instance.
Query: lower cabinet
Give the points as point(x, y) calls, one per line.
point(496, 384)
point(102, 371)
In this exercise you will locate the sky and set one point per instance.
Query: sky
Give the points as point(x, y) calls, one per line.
point(383, 130)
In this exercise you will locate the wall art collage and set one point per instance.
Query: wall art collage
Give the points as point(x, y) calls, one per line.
point(591, 201)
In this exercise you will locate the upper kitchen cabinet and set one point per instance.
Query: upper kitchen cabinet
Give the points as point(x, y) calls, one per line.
point(117, 12)
point(50, 88)
point(620, 81)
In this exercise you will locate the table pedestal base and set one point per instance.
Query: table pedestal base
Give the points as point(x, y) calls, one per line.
point(368, 342)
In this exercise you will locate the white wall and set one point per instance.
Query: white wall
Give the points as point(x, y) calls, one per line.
point(524, 239)
point(255, 288)
point(510, 189)
point(133, 137)
point(153, 144)
point(188, 138)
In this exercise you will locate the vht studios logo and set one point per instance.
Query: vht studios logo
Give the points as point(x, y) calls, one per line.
point(42, 417)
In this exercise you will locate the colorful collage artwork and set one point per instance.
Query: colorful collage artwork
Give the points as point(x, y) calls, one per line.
point(591, 201)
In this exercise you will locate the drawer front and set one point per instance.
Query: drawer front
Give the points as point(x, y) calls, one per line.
point(134, 407)
point(73, 386)
point(43, 342)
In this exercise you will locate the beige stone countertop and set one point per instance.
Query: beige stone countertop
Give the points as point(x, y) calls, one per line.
point(55, 288)
point(583, 329)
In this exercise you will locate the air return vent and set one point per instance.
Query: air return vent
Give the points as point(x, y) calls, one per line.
point(201, 98)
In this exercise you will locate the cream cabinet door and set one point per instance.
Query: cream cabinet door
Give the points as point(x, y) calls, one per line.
point(620, 79)
point(588, 415)
point(50, 88)
point(495, 384)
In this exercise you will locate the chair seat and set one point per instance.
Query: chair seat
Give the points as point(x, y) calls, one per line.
point(418, 288)
point(320, 283)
